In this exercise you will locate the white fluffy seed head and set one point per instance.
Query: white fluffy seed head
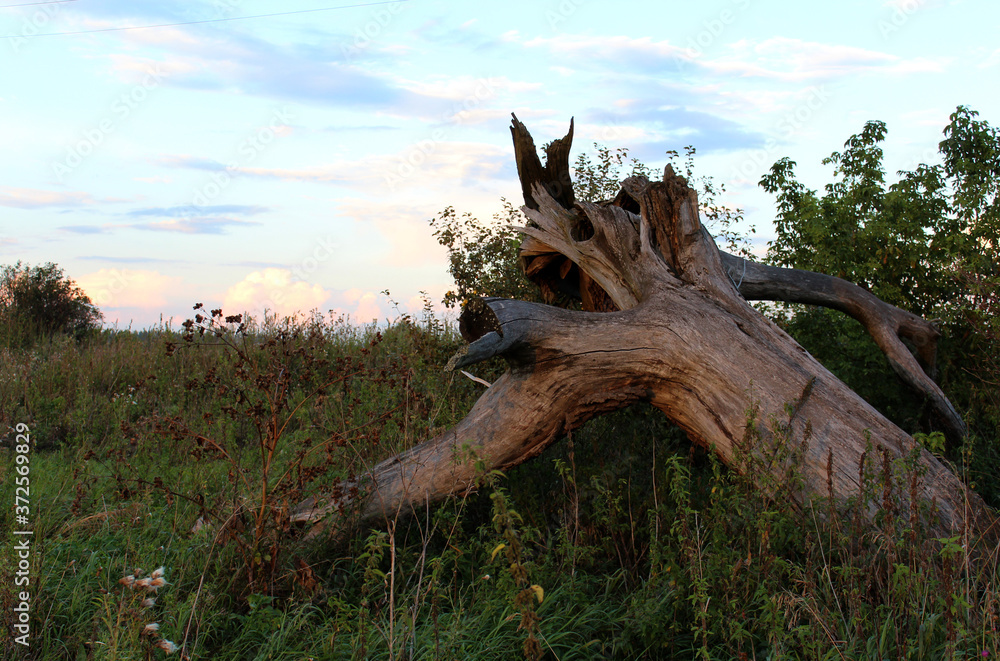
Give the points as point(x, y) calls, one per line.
point(166, 646)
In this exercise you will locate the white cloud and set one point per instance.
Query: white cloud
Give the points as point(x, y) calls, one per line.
point(137, 70)
point(365, 305)
point(33, 198)
point(910, 6)
point(991, 60)
point(934, 117)
point(403, 228)
point(458, 88)
point(794, 60)
point(416, 165)
point(777, 58)
point(127, 288)
point(276, 291)
point(495, 116)
point(604, 48)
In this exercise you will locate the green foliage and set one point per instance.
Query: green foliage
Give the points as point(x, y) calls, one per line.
point(40, 301)
point(900, 243)
point(483, 257)
point(622, 543)
point(922, 244)
point(598, 177)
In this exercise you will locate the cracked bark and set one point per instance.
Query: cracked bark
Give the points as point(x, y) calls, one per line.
point(666, 325)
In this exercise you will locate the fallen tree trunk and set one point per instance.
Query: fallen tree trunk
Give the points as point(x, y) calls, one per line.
point(675, 331)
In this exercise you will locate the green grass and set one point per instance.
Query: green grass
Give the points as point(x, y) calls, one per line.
point(620, 542)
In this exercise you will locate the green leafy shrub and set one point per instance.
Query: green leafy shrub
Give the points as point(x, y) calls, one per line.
point(38, 301)
point(928, 243)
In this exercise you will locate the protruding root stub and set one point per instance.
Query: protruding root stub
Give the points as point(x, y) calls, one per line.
point(477, 320)
point(494, 327)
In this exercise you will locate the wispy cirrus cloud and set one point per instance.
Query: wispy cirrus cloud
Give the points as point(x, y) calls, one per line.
point(910, 6)
point(656, 128)
point(131, 259)
point(245, 209)
point(189, 162)
point(33, 198)
point(798, 61)
point(212, 225)
point(638, 54)
point(777, 58)
point(415, 165)
point(242, 64)
point(213, 219)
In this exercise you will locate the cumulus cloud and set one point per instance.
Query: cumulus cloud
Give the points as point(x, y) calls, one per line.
point(363, 305)
point(129, 288)
point(274, 290)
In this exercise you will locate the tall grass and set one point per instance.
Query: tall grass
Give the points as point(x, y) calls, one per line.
point(622, 542)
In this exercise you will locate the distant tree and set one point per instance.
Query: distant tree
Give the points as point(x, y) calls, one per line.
point(40, 300)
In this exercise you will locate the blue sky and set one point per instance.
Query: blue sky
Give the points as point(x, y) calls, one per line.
point(291, 162)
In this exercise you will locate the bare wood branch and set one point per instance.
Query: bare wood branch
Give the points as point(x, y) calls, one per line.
point(886, 323)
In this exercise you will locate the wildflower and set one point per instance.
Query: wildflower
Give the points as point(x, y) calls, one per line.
point(127, 580)
point(156, 583)
point(142, 583)
point(148, 602)
point(158, 572)
point(166, 646)
point(150, 629)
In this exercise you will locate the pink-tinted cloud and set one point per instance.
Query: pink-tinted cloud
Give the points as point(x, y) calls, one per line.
point(33, 198)
point(276, 291)
point(129, 288)
point(363, 306)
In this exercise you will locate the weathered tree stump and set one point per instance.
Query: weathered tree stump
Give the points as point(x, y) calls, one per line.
point(669, 324)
